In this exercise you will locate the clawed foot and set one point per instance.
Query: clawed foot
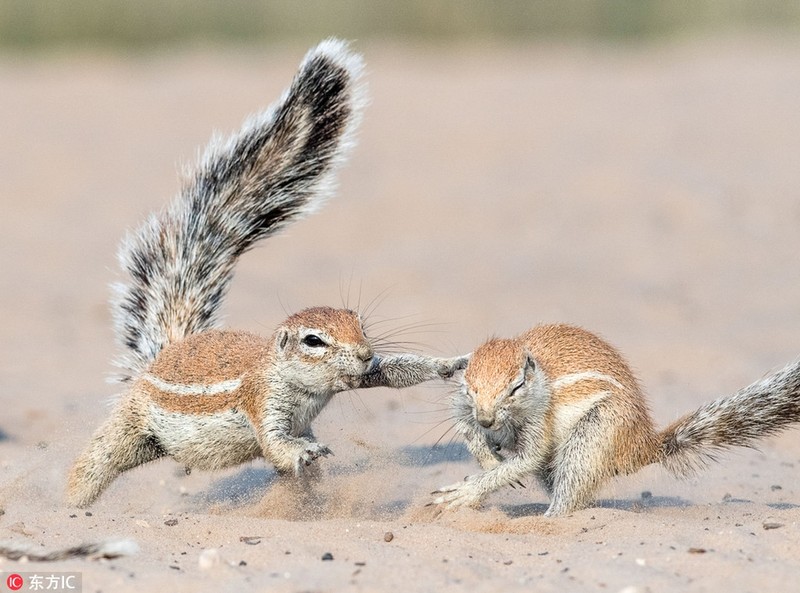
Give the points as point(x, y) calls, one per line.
point(311, 452)
point(466, 493)
point(449, 366)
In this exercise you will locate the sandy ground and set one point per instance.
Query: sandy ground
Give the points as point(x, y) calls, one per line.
point(648, 193)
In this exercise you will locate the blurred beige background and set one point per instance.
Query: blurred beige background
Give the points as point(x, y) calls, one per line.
point(631, 167)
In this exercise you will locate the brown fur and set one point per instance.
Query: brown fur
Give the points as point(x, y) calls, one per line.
point(206, 359)
point(565, 349)
point(494, 363)
point(341, 323)
point(210, 357)
point(562, 349)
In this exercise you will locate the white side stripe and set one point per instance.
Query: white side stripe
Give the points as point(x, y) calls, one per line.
point(195, 389)
point(571, 379)
point(566, 416)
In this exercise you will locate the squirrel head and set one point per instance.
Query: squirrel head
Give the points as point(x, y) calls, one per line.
point(501, 382)
point(323, 350)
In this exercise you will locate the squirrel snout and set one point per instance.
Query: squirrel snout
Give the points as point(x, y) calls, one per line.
point(364, 354)
point(485, 419)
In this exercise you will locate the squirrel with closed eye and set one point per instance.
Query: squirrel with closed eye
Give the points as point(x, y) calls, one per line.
point(212, 398)
point(561, 404)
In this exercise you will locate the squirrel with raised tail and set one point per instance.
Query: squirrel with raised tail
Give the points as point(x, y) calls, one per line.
point(211, 398)
point(559, 403)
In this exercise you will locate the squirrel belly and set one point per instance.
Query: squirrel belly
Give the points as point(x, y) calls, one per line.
point(561, 404)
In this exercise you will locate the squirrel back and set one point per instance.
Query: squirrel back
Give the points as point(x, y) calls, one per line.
point(280, 166)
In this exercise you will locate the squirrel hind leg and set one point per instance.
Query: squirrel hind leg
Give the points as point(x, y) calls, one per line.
point(581, 465)
point(119, 444)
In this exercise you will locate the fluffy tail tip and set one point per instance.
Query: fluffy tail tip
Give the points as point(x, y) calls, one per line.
point(337, 51)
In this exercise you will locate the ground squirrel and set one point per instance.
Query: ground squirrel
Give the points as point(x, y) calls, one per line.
point(211, 398)
point(565, 407)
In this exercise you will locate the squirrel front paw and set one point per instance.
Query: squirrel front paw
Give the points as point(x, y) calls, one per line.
point(466, 493)
point(447, 367)
point(308, 454)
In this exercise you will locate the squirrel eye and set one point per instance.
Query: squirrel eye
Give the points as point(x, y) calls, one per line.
point(314, 341)
point(516, 388)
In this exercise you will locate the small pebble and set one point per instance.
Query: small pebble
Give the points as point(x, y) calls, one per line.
point(242, 563)
point(88, 513)
point(171, 522)
point(776, 487)
point(768, 526)
point(208, 559)
point(327, 556)
point(250, 540)
point(697, 550)
point(388, 536)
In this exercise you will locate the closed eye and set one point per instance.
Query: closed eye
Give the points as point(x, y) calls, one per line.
point(314, 341)
point(515, 389)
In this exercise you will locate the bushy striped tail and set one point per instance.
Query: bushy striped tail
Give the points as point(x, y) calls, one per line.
point(280, 166)
point(760, 410)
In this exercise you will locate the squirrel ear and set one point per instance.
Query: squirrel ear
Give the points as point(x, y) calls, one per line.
point(530, 363)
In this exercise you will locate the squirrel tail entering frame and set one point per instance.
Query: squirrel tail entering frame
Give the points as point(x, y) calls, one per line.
point(280, 166)
point(759, 410)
